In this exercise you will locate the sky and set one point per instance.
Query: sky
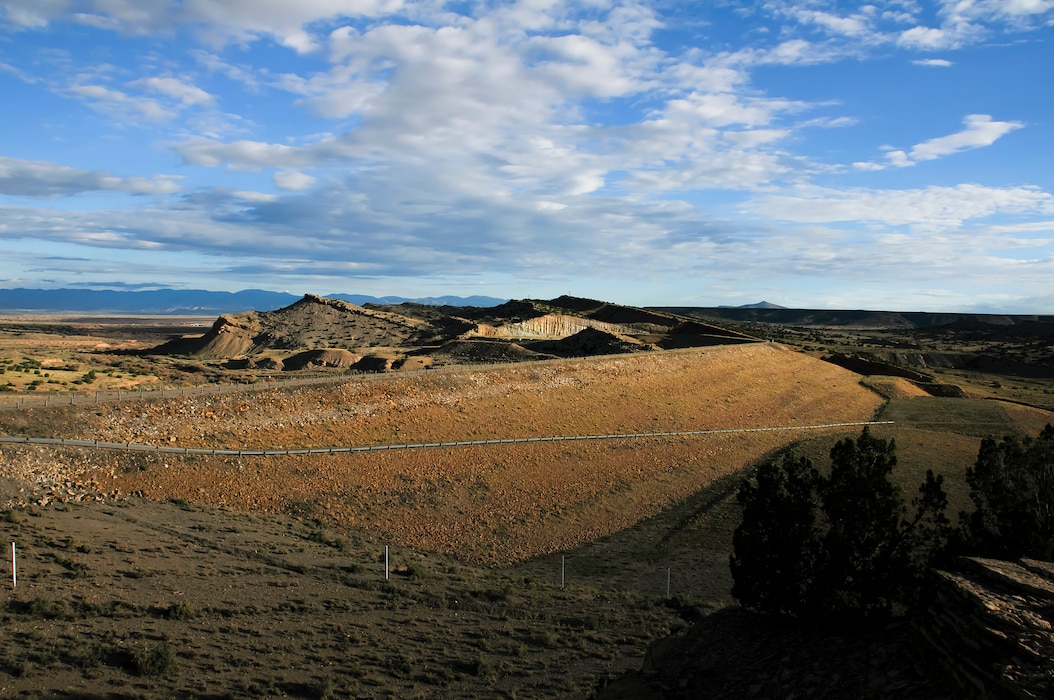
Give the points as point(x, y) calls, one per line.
point(893, 155)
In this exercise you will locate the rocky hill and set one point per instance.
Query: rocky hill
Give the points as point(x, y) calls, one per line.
point(324, 332)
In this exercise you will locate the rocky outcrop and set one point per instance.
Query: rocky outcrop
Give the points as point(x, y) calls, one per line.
point(231, 336)
point(547, 326)
point(515, 331)
point(992, 627)
point(588, 342)
point(309, 324)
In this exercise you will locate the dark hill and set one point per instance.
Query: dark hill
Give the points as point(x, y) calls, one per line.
point(851, 318)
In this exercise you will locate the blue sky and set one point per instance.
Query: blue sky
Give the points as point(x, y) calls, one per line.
point(885, 155)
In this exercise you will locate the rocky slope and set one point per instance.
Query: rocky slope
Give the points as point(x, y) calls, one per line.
point(383, 337)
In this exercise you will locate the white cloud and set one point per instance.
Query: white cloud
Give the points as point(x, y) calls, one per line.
point(219, 22)
point(18, 73)
point(184, 93)
point(30, 178)
point(293, 180)
point(119, 103)
point(33, 14)
point(244, 74)
point(933, 63)
point(980, 131)
point(247, 155)
point(795, 52)
point(853, 26)
point(938, 208)
point(929, 38)
point(1016, 10)
point(723, 109)
point(966, 22)
point(831, 122)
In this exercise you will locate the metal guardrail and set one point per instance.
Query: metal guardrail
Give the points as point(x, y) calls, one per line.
point(167, 449)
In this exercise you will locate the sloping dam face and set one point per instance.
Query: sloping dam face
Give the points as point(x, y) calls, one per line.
point(494, 503)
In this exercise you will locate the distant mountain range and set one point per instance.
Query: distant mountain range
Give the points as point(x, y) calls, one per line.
point(184, 302)
point(761, 305)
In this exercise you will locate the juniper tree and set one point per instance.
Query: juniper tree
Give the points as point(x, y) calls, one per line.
point(1012, 489)
point(841, 543)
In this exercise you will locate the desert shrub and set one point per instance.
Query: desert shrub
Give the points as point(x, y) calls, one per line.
point(842, 543)
point(181, 610)
point(155, 660)
point(1012, 489)
point(75, 569)
point(483, 667)
point(324, 688)
point(321, 536)
point(47, 609)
